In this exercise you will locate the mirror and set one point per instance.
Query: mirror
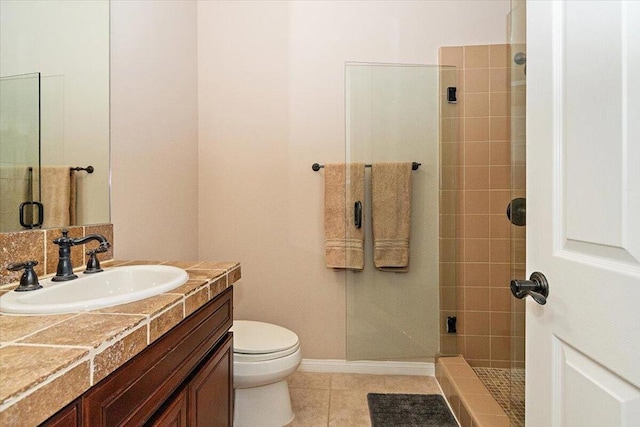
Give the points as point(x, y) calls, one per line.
point(67, 43)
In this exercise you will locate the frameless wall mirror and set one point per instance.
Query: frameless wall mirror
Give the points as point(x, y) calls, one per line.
point(52, 131)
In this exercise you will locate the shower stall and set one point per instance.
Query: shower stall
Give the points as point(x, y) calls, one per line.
point(483, 210)
point(464, 122)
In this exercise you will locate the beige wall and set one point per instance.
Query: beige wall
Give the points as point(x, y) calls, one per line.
point(271, 103)
point(154, 139)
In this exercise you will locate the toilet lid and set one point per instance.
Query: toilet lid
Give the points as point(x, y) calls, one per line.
point(251, 337)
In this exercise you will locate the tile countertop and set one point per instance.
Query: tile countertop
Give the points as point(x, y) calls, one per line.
point(47, 361)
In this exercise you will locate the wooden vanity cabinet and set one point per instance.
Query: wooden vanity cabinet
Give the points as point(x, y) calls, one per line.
point(215, 378)
point(185, 378)
point(175, 414)
point(69, 416)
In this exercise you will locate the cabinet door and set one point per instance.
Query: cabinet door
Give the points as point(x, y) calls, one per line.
point(211, 389)
point(174, 414)
point(67, 417)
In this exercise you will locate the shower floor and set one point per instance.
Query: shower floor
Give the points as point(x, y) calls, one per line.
point(507, 387)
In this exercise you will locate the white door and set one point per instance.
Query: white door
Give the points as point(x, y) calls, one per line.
point(583, 207)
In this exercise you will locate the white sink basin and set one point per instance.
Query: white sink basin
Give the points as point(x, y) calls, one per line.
point(113, 286)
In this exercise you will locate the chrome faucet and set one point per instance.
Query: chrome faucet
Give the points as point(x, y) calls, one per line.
point(65, 268)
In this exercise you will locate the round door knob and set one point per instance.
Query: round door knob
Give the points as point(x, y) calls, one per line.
point(536, 287)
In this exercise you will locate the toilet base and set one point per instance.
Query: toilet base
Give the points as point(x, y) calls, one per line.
point(265, 406)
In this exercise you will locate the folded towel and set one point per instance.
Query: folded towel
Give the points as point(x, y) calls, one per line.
point(391, 215)
point(344, 243)
point(57, 185)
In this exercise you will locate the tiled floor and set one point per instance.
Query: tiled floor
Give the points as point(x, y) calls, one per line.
point(507, 387)
point(327, 399)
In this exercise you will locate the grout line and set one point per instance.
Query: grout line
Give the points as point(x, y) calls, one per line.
point(18, 397)
point(39, 330)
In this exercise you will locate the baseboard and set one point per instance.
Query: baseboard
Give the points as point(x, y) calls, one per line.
point(368, 367)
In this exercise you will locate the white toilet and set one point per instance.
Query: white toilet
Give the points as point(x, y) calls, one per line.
point(264, 355)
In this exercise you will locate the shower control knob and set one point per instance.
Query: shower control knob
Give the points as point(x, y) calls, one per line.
point(520, 58)
point(536, 287)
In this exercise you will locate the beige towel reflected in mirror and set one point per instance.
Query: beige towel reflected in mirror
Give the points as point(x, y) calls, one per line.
point(58, 191)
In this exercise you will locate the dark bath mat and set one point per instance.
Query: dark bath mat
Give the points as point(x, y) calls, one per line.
point(409, 410)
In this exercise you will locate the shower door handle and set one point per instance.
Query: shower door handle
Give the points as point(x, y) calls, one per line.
point(357, 213)
point(30, 225)
point(536, 287)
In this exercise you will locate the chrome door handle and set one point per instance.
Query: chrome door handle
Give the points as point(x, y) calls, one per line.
point(536, 287)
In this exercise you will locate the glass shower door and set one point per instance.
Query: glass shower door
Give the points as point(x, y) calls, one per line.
point(518, 206)
point(20, 152)
point(392, 115)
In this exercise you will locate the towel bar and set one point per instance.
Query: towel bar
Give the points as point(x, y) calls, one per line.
point(316, 166)
point(89, 169)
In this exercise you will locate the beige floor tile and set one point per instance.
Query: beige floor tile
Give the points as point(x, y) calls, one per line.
point(411, 384)
point(349, 408)
point(310, 380)
point(345, 404)
point(311, 407)
point(372, 383)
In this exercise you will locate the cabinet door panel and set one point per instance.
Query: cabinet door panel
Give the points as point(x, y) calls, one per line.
point(211, 390)
point(67, 417)
point(175, 414)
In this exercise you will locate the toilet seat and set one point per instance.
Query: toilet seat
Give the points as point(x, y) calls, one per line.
point(261, 357)
point(258, 341)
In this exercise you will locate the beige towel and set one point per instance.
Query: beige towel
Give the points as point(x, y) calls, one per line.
point(58, 195)
point(344, 243)
point(14, 182)
point(391, 215)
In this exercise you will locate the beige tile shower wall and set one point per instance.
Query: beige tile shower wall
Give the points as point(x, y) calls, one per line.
point(450, 201)
point(478, 234)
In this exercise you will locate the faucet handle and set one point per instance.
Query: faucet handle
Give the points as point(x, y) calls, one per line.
point(93, 265)
point(17, 266)
point(29, 279)
point(64, 239)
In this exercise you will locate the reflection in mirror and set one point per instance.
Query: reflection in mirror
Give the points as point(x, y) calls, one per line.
point(67, 43)
point(20, 159)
